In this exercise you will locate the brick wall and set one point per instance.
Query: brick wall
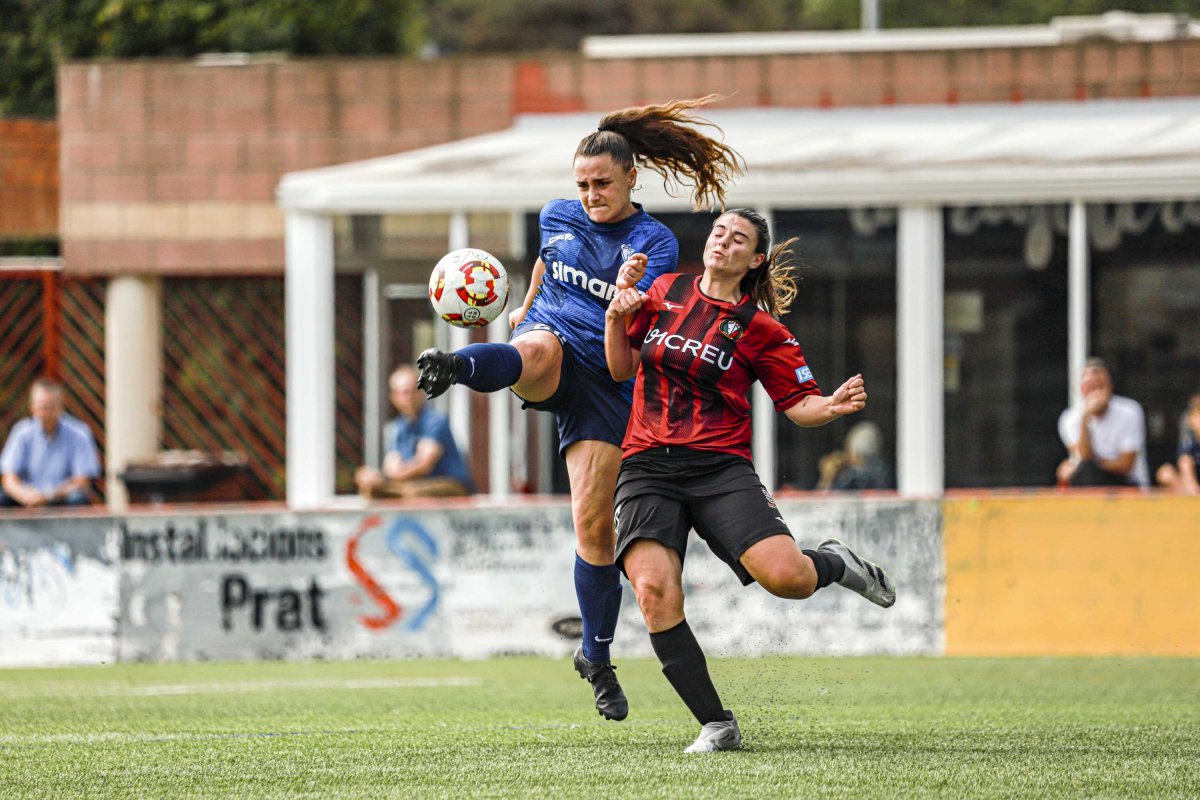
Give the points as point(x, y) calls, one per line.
point(28, 179)
point(171, 167)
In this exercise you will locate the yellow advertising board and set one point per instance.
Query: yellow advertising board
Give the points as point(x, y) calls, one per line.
point(1067, 574)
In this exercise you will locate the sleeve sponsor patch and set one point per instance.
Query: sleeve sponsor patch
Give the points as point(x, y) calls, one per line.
point(803, 374)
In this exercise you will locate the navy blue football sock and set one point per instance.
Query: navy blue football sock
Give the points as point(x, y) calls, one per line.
point(830, 568)
point(599, 593)
point(489, 367)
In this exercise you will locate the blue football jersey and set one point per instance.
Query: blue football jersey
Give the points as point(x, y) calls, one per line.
point(582, 259)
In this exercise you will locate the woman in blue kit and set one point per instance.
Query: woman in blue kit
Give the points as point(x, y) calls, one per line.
point(590, 248)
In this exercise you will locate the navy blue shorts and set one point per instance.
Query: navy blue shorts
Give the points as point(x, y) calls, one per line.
point(586, 405)
point(664, 493)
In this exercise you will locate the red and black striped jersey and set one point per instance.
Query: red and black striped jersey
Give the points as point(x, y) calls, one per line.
point(699, 358)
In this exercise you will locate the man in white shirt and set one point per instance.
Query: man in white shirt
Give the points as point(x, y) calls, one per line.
point(1105, 435)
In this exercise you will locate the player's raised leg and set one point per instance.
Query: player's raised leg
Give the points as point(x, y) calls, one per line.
point(786, 571)
point(530, 364)
point(864, 577)
point(592, 468)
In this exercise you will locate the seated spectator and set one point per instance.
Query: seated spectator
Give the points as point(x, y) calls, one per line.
point(859, 464)
point(420, 458)
point(1181, 477)
point(50, 458)
point(1105, 435)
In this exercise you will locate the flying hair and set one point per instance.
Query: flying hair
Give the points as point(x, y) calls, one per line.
point(663, 138)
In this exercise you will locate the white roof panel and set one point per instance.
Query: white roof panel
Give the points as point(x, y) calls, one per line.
point(1030, 152)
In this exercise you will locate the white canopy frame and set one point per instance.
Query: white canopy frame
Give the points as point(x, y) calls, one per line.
point(917, 159)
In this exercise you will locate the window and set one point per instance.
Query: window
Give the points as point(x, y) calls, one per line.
point(1005, 344)
point(1145, 291)
point(845, 320)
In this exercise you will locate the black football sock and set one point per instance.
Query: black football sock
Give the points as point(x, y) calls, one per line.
point(830, 567)
point(686, 669)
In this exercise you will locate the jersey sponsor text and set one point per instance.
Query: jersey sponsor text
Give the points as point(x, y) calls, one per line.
point(697, 349)
point(595, 286)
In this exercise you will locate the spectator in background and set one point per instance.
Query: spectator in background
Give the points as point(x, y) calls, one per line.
point(1181, 477)
point(859, 464)
point(1105, 435)
point(420, 456)
point(50, 458)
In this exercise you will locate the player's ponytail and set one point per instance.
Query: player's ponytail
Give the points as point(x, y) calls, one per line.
point(772, 285)
point(659, 138)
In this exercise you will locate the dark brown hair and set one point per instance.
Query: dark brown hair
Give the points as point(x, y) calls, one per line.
point(659, 138)
point(772, 284)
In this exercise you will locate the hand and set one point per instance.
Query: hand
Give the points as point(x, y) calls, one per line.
point(516, 317)
point(367, 477)
point(828, 467)
point(632, 271)
point(32, 498)
point(849, 398)
point(1096, 402)
point(626, 302)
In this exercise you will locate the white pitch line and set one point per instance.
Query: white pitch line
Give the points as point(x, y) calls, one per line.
point(166, 689)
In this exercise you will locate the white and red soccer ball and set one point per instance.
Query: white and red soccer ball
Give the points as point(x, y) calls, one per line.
point(468, 287)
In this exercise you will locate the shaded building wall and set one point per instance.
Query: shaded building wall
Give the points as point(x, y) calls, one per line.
point(171, 167)
point(28, 179)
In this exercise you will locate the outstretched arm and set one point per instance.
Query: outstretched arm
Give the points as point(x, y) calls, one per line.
point(813, 410)
point(621, 357)
point(517, 315)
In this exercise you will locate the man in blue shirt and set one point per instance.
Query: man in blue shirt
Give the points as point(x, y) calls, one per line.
point(420, 456)
point(50, 458)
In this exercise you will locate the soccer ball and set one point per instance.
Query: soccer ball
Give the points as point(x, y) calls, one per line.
point(468, 287)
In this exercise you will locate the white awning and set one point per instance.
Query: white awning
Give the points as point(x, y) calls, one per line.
point(970, 154)
point(918, 159)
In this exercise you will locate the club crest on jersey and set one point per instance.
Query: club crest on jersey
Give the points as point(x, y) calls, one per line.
point(731, 329)
point(804, 374)
point(627, 252)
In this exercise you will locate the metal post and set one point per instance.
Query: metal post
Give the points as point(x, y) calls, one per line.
point(1078, 298)
point(373, 368)
point(308, 300)
point(870, 15)
point(920, 460)
point(762, 413)
point(460, 400)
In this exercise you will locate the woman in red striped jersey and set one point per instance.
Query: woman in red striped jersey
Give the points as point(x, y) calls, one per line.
point(696, 345)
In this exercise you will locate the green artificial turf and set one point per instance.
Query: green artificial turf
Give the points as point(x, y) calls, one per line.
point(813, 727)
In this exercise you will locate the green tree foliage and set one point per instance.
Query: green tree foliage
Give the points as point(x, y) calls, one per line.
point(483, 26)
point(489, 26)
point(36, 34)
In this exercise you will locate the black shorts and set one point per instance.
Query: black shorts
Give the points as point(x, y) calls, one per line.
point(665, 492)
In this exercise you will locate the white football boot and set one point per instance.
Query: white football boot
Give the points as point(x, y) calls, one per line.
point(716, 736)
point(864, 577)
